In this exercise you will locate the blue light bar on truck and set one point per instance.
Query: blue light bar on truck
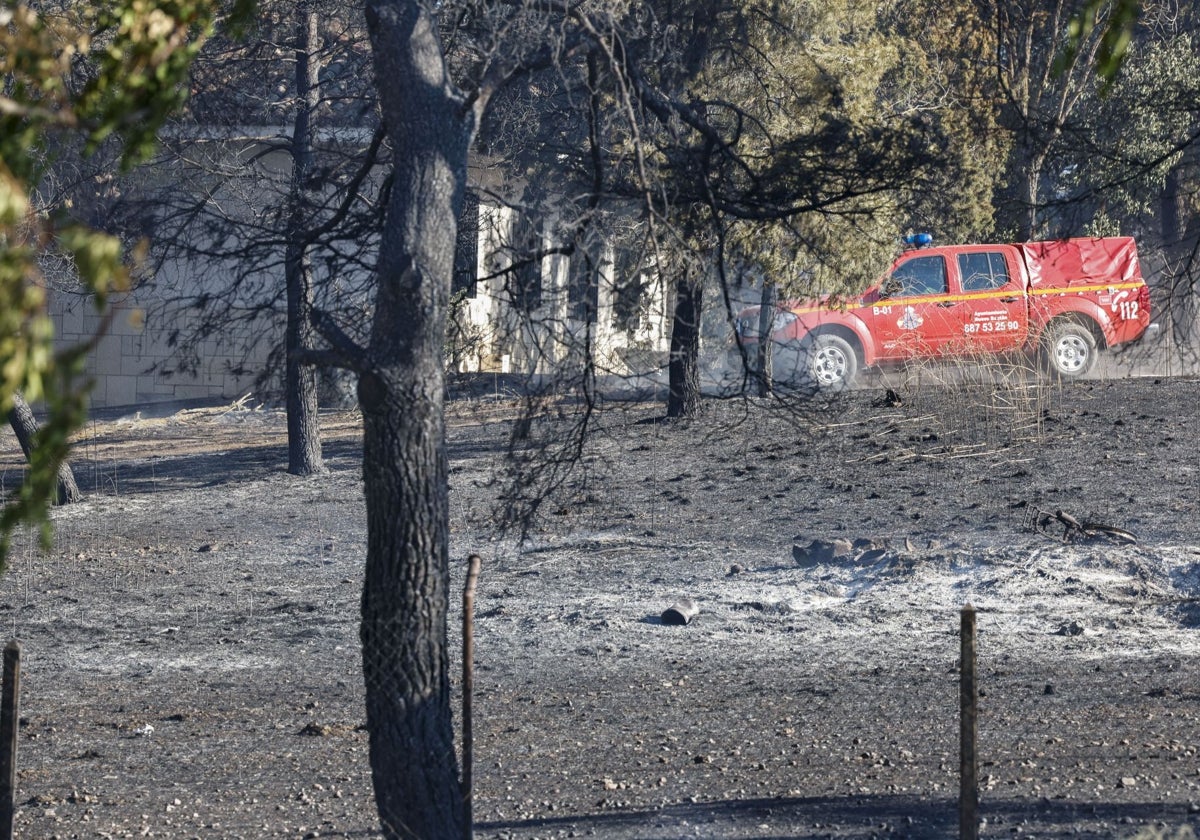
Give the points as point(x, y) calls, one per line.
point(918, 240)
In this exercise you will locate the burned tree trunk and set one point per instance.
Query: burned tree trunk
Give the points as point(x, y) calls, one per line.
point(25, 427)
point(762, 350)
point(683, 368)
point(304, 429)
point(406, 588)
point(303, 411)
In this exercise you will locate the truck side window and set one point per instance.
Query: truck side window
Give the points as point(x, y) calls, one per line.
point(982, 271)
point(920, 276)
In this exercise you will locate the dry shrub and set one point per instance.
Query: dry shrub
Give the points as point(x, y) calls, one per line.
point(979, 399)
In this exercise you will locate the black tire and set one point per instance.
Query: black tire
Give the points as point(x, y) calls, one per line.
point(1069, 350)
point(825, 363)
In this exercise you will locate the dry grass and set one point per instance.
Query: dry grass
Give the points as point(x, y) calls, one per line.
point(1003, 399)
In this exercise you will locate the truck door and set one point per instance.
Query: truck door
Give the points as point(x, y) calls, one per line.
point(910, 318)
point(991, 315)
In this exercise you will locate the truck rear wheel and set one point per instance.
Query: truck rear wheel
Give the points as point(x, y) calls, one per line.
point(1069, 350)
point(823, 362)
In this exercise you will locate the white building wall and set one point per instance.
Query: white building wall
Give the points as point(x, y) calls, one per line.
point(547, 339)
point(133, 362)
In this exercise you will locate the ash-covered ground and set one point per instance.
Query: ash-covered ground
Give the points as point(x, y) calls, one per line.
point(191, 656)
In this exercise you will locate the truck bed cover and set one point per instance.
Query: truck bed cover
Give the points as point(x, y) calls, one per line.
point(1076, 262)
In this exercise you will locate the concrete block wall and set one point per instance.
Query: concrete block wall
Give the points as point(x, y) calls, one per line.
point(132, 364)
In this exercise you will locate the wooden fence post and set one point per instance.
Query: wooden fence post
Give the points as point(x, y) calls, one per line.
point(9, 720)
point(468, 656)
point(968, 795)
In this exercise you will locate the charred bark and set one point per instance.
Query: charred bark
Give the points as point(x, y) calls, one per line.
point(404, 607)
point(406, 588)
point(762, 350)
point(683, 367)
point(25, 427)
point(303, 417)
point(303, 410)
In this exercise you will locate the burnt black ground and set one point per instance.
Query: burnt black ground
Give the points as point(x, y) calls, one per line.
point(191, 659)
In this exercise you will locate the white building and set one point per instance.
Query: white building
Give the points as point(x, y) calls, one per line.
point(522, 305)
point(531, 305)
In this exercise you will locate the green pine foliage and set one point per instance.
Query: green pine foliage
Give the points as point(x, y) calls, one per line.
point(112, 73)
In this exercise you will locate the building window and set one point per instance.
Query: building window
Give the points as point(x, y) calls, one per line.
point(466, 248)
point(583, 283)
point(525, 278)
point(629, 286)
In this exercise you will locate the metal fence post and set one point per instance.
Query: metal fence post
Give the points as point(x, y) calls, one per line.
point(968, 796)
point(468, 664)
point(9, 720)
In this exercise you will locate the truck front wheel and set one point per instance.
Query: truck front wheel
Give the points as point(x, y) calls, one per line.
point(1068, 350)
point(823, 362)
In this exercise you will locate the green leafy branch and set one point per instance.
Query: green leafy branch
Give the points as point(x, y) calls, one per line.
point(108, 73)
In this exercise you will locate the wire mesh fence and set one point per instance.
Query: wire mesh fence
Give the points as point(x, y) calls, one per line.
point(192, 641)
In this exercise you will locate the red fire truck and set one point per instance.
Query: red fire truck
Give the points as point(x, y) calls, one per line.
point(1063, 300)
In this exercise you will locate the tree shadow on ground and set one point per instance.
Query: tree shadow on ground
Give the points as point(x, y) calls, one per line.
point(217, 468)
point(860, 816)
point(220, 467)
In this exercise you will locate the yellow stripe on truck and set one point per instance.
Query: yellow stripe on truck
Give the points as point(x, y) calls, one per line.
point(1067, 290)
point(993, 295)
